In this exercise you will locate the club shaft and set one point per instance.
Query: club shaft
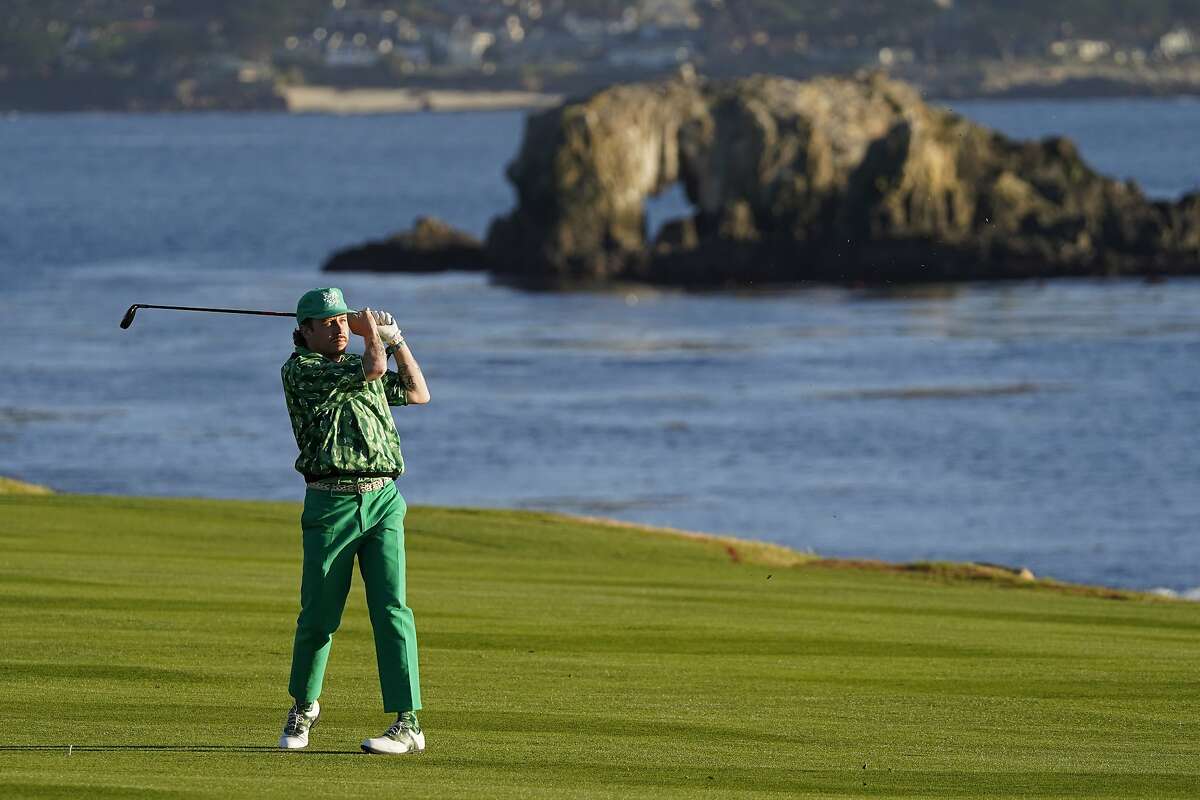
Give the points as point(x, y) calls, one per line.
point(223, 310)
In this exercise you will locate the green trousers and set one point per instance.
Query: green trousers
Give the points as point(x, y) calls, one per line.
point(338, 526)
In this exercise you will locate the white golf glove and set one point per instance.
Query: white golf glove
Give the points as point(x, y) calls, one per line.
point(386, 325)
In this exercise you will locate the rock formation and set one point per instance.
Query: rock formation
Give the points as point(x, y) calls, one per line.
point(844, 180)
point(431, 246)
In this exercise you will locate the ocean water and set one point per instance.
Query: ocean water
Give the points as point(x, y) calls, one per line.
point(1049, 425)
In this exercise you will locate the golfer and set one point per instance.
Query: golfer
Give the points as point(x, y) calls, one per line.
point(350, 457)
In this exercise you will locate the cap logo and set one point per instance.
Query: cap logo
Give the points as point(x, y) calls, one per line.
point(330, 298)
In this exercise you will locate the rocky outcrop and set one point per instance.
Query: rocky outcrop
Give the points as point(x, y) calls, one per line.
point(430, 246)
point(844, 180)
point(582, 176)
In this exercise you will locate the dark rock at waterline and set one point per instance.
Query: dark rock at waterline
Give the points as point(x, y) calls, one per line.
point(430, 246)
point(841, 180)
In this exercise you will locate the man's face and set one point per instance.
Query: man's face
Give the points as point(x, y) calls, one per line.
point(328, 336)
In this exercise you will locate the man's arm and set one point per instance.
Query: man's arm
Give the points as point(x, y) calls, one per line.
point(409, 370)
point(374, 360)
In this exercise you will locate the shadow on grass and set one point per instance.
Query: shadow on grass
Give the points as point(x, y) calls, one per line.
point(167, 748)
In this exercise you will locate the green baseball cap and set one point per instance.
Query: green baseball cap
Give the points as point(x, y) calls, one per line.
point(320, 304)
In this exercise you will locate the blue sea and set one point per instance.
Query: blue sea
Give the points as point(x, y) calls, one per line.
point(1051, 425)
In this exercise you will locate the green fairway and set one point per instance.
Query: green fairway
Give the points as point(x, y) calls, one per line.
point(565, 659)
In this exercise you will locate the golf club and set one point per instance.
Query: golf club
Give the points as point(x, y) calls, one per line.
point(127, 320)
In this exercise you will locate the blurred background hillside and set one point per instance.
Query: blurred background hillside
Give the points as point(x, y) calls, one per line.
point(167, 54)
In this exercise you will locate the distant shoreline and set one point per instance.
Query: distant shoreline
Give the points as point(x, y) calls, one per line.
point(989, 82)
point(331, 100)
point(334, 100)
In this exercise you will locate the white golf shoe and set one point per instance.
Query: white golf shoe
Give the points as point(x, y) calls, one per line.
point(403, 737)
point(299, 721)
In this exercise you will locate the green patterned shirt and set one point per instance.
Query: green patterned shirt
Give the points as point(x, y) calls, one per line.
point(341, 420)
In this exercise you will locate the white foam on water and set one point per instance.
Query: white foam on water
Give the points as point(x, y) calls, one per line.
point(1192, 594)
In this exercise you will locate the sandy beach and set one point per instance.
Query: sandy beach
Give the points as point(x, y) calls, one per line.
point(329, 100)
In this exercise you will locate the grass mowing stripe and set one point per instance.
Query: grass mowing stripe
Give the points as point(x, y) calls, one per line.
point(562, 658)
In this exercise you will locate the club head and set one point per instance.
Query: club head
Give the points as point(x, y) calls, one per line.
point(127, 320)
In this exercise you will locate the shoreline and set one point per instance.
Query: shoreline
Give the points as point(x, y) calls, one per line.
point(331, 100)
point(744, 550)
point(316, 100)
point(770, 554)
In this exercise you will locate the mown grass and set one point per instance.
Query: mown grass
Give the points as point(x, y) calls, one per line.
point(569, 659)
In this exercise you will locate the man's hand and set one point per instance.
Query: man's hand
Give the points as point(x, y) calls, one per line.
point(386, 325)
point(362, 323)
point(374, 359)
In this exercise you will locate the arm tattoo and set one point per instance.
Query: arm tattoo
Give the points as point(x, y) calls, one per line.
point(373, 353)
point(406, 377)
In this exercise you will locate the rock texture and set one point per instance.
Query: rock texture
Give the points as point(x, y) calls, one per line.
point(843, 180)
point(430, 246)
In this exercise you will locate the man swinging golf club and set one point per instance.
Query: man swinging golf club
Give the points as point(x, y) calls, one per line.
point(350, 457)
